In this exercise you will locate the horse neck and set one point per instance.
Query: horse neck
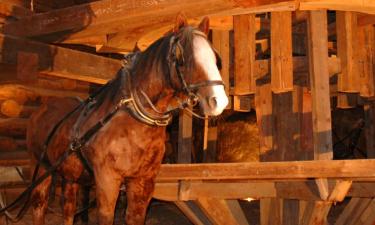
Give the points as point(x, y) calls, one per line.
point(152, 79)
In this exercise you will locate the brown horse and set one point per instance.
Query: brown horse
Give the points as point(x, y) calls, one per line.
point(127, 144)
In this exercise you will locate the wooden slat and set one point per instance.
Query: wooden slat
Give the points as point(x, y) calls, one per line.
point(319, 80)
point(218, 211)
point(269, 170)
point(244, 56)
point(59, 61)
point(365, 60)
point(368, 216)
point(346, 24)
point(353, 211)
point(281, 52)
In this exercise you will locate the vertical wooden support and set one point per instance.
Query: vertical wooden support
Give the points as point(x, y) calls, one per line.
point(210, 142)
point(184, 137)
point(221, 42)
point(244, 54)
point(365, 60)
point(219, 212)
point(291, 212)
point(281, 52)
point(271, 212)
point(346, 24)
point(263, 107)
point(319, 78)
point(316, 213)
point(321, 110)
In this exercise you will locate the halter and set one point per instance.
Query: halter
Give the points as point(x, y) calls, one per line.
point(175, 60)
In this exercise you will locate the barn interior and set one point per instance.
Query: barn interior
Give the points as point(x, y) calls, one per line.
point(295, 144)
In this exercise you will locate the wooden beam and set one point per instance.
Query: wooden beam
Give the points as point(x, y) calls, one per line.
point(112, 16)
point(319, 80)
point(316, 213)
point(365, 19)
point(185, 129)
point(281, 52)
point(220, 212)
point(189, 213)
point(269, 170)
point(365, 6)
point(244, 56)
point(59, 61)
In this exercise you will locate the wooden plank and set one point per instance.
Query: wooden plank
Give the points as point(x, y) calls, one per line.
point(290, 212)
point(189, 213)
point(185, 129)
point(269, 170)
point(281, 52)
point(340, 190)
point(112, 16)
point(316, 213)
point(365, 60)
point(319, 81)
point(368, 216)
point(346, 25)
point(244, 56)
point(353, 211)
point(221, 42)
point(59, 61)
point(237, 212)
point(365, 19)
point(365, 6)
point(271, 211)
point(217, 211)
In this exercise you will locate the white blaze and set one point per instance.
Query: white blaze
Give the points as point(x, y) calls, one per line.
point(205, 57)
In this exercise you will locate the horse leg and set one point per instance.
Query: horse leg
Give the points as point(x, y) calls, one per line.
point(107, 190)
point(139, 192)
point(70, 190)
point(39, 198)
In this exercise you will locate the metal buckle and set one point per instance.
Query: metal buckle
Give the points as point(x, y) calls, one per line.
point(75, 145)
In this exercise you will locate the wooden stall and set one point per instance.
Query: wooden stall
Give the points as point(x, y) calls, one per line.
point(291, 61)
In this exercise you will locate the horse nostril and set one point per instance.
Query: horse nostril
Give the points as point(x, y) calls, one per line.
point(212, 102)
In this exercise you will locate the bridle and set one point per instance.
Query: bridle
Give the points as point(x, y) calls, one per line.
point(175, 61)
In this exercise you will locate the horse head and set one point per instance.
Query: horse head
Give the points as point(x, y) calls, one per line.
point(182, 66)
point(196, 65)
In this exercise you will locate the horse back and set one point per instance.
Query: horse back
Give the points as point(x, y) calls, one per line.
point(43, 121)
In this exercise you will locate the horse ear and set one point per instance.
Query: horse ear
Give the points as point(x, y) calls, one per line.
point(181, 22)
point(204, 26)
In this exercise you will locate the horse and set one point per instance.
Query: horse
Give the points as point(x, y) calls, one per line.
point(117, 136)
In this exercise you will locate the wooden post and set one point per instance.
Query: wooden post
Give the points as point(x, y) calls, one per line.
point(365, 60)
point(244, 54)
point(184, 137)
point(348, 79)
point(346, 25)
point(221, 42)
point(281, 52)
point(316, 212)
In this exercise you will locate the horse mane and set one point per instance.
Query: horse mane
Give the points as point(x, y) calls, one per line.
point(154, 57)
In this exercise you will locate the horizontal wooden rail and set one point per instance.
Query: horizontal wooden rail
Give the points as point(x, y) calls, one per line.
point(269, 170)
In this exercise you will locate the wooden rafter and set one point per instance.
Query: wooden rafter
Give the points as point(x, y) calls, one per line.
point(59, 61)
